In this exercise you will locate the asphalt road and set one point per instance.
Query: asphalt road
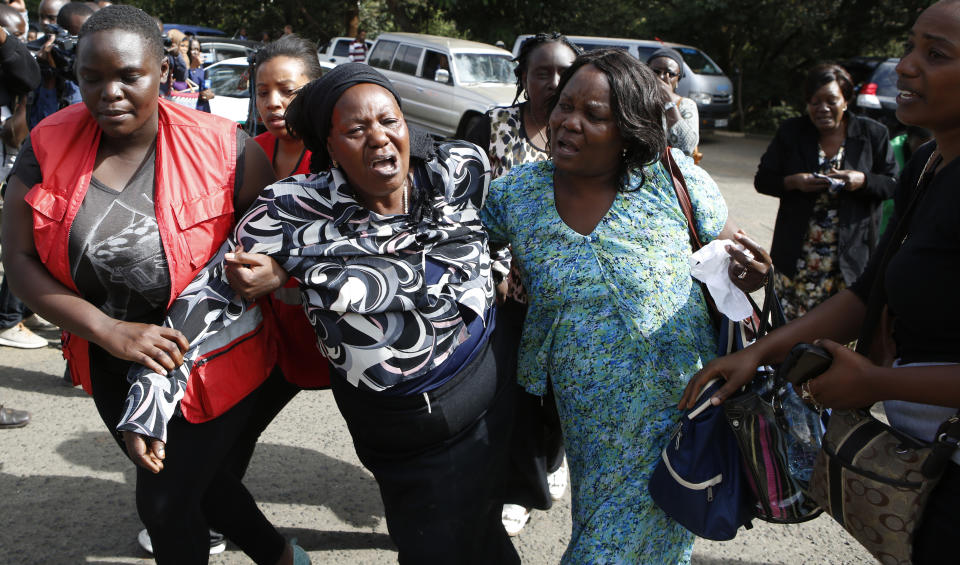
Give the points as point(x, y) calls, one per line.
point(66, 492)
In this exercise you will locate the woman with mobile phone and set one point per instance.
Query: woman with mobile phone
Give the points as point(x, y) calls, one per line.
point(913, 361)
point(830, 169)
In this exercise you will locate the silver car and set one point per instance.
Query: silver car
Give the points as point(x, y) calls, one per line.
point(445, 83)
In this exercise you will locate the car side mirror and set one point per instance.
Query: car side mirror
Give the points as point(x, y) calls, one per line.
point(442, 75)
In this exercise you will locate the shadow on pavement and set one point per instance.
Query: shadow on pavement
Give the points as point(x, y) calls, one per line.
point(279, 474)
point(37, 381)
point(61, 519)
point(293, 475)
point(314, 540)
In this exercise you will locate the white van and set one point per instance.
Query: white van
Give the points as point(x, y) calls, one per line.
point(703, 81)
point(445, 83)
point(337, 50)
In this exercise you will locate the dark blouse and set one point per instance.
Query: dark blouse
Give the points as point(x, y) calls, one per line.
point(794, 150)
point(392, 299)
point(921, 279)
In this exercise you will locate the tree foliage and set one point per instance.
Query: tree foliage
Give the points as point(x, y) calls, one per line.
point(763, 45)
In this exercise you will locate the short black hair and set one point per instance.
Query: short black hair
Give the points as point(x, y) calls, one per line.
point(826, 73)
point(295, 47)
point(127, 18)
point(636, 102)
point(72, 9)
point(528, 46)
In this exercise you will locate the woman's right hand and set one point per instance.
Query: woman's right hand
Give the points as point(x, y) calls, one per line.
point(805, 182)
point(737, 369)
point(158, 348)
point(145, 451)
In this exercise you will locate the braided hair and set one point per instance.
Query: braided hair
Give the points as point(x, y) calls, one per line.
point(527, 48)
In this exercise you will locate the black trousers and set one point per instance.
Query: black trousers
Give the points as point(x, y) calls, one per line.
point(438, 463)
point(935, 542)
point(536, 447)
point(200, 485)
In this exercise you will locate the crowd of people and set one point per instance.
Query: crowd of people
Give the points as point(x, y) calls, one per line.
point(495, 316)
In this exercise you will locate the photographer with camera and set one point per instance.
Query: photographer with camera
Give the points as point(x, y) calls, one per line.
point(19, 74)
point(56, 55)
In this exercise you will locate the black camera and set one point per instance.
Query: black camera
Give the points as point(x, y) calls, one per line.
point(167, 42)
point(63, 51)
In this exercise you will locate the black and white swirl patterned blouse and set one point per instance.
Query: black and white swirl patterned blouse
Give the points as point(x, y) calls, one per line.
point(389, 296)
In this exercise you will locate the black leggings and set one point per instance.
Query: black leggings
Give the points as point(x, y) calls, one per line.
point(200, 485)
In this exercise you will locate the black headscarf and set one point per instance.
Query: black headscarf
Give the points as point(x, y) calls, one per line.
point(308, 115)
point(670, 54)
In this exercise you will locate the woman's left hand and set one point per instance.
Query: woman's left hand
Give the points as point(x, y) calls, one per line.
point(146, 452)
point(252, 275)
point(748, 274)
point(846, 384)
point(853, 180)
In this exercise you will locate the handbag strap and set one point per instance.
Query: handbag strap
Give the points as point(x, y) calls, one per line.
point(686, 206)
point(771, 304)
point(878, 296)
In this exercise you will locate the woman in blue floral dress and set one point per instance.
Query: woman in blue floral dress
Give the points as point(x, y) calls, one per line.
point(615, 320)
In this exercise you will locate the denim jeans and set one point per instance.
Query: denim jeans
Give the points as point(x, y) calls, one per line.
point(12, 311)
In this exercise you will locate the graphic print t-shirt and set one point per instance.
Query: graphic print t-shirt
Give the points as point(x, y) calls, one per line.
point(116, 257)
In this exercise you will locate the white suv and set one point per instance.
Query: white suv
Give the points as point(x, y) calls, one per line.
point(445, 83)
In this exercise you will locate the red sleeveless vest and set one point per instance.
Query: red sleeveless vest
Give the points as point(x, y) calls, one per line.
point(195, 172)
point(299, 357)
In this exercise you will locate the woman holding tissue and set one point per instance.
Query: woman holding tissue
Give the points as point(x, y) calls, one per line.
point(831, 169)
point(615, 320)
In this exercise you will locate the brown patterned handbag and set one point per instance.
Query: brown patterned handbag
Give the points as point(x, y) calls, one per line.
point(875, 480)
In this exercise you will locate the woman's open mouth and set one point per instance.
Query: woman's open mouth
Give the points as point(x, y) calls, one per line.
point(385, 165)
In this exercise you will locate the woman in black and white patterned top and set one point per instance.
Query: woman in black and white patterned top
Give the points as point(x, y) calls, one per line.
point(385, 241)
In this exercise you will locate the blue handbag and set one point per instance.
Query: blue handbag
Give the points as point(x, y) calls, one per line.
point(699, 479)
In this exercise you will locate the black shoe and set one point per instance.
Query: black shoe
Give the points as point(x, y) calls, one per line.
point(10, 418)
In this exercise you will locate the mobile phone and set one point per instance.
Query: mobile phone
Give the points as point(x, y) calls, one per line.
point(804, 362)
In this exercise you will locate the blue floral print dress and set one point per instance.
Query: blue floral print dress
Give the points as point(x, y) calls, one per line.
point(619, 326)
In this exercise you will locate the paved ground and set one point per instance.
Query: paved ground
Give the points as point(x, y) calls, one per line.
point(66, 493)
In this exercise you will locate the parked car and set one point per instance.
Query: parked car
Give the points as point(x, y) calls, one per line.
point(216, 49)
point(877, 98)
point(445, 83)
point(337, 50)
point(230, 82)
point(192, 29)
point(703, 81)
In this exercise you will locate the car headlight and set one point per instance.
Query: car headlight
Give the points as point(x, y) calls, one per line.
point(701, 98)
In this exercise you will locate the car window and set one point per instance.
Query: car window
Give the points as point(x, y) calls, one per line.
point(222, 52)
point(484, 67)
point(645, 52)
point(886, 78)
point(229, 80)
point(382, 54)
point(434, 61)
point(698, 62)
point(342, 48)
point(595, 46)
point(407, 59)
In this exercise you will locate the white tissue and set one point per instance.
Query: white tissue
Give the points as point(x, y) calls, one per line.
point(709, 265)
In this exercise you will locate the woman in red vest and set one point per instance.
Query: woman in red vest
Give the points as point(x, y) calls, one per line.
point(112, 209)
point(281, 68)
